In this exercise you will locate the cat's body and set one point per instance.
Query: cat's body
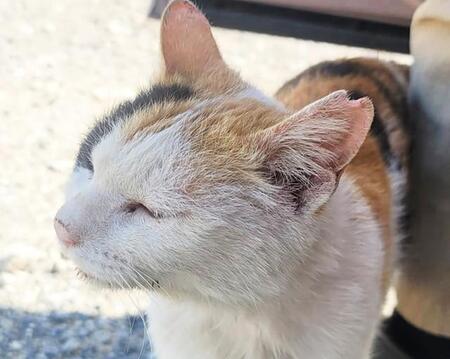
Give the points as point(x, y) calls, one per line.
point(331, 307)
point(262, 229)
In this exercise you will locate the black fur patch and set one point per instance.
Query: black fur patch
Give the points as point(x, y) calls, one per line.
point(377, 130)
point(156, 94)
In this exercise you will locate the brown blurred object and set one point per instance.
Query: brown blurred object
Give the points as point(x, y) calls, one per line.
point(397, 12)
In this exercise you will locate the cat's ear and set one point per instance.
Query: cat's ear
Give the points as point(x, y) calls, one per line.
point(188, 46)
point(306, 153)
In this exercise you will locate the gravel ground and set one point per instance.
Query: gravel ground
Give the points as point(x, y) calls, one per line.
point(70, 335)
point(62, 64)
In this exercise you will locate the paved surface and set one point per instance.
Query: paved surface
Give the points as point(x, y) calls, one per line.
point(62, 63)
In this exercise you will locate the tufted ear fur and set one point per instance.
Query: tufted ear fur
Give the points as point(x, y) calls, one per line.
point(188, 46)
point(306, 153)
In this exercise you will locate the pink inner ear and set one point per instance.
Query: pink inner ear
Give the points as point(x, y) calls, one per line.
point(188, 46)
point(329, 131)
point(359, 115)
point(345, 122)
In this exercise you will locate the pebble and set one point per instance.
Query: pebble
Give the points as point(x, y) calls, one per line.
point(15, 345)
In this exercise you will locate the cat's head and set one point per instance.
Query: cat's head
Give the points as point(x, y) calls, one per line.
point(202, 185)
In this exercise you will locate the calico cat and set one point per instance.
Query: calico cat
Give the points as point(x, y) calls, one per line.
point(261, 228)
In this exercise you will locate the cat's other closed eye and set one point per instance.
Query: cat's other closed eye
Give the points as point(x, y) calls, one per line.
point(133, 207)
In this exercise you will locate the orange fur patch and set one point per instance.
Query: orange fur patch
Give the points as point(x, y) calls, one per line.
point(155, 118)
point(221, 135)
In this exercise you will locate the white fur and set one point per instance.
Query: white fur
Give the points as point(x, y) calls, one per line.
point(237, 280)
point(78, 181)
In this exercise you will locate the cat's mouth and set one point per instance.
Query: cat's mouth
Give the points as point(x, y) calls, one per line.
point(93, 279)
point(111, 283)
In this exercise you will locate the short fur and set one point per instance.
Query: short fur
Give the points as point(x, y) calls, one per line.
point(261, 228)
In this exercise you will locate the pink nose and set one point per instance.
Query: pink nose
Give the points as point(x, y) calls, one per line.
point(63, 234)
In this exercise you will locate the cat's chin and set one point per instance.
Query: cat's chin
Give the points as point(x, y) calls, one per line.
point(94, 280)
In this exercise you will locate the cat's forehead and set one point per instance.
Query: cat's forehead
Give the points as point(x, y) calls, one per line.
point(209, 117)
point(173, 133)
point(148, 164)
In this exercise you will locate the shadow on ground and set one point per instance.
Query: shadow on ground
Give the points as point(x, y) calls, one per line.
point(71, 335)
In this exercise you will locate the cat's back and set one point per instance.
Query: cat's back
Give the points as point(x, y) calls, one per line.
point(379, 170)
point(386, 83)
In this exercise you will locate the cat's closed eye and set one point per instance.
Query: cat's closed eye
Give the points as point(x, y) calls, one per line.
point(133, 207)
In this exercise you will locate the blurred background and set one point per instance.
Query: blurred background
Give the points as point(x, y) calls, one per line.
point(62, 64)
